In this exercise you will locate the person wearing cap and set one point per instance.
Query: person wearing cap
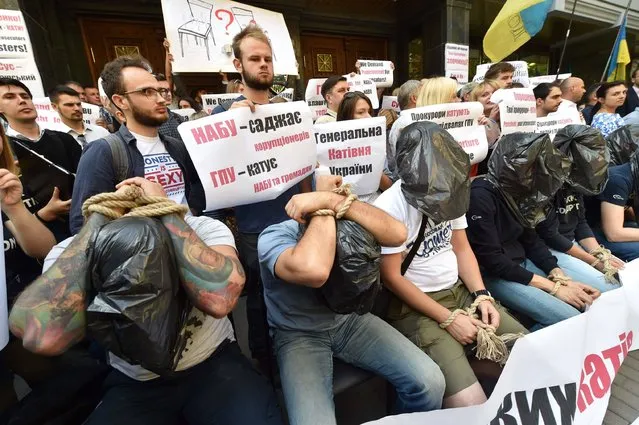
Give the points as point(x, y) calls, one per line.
point(333, 91)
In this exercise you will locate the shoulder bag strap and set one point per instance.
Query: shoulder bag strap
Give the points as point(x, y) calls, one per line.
point(416, 245)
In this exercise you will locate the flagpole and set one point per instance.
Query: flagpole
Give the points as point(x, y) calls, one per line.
point(563, 50)
point(625, 16)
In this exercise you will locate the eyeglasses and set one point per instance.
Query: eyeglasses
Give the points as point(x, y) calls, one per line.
point(236, 82)
point(150, 92)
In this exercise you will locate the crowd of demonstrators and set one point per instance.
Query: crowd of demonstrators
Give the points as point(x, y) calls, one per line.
point(526, 235)
point(547, 99)
point(610, 96)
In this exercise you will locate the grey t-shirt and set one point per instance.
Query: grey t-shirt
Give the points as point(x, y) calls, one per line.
point(290, 306)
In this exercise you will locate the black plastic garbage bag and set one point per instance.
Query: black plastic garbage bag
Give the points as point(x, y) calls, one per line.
point(622, 144)
point(528, 170)
point(434, 170)
point(137, 307)
point(586, 148)
point(354, 281)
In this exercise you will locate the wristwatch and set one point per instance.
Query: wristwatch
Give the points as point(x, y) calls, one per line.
point(480, 292)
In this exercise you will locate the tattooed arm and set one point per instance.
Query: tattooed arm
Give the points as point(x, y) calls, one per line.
point(49, 316)
point(213, 277)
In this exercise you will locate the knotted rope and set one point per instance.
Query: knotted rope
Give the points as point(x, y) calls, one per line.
point(339, 213)
point(134, 202)
point(489, 345)
point(604, 256)
point(560, 281)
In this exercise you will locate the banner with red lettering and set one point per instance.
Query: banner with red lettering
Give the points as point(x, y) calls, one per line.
point(459, 119)
point(558, 375)
point(355, 150)
point(210, 101)
point(379, 72)
point(244, 157)
point(456, 58)
point(365, 85)
point(49, 118)
point(390, 102)
point(314, 99)
point(16, 52)
point(517, 110)
point(535, 81)
point(555, 122)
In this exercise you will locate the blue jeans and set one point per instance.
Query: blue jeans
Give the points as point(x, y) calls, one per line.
point(626, 251)
point(582, 272)
point(306, 367)
point(539, 305)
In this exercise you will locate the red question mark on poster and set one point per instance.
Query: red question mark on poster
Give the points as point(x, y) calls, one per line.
point(229, 15)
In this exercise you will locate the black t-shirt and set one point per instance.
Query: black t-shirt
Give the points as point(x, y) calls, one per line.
point(565, 222)
point(620, 190)
point(59, 148)
point(20, 269)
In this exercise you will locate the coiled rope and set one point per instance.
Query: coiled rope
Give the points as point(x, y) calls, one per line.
point(134, 203)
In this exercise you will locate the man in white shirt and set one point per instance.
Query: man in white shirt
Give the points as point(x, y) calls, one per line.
point(67, 103)
point(333, 91)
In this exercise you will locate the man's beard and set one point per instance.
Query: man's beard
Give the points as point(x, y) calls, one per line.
point(145, 119)
point(254, 82)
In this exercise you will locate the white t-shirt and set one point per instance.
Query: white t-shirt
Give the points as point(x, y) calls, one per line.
point(206, 331)
point(160, 167)
point(434, 267)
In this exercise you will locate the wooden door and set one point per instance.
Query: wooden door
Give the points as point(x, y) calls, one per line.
point(105, 40)
point(326, 55)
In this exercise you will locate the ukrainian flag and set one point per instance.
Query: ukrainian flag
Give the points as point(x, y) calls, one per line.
point(517, 22)
point(620, 56)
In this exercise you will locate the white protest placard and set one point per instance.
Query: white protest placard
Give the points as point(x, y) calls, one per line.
point(244, 157)
point(456, 59)
point(210, 101)
point(355, 150)
point(50, 119)
point(460, 120)
point(90, 113)
point(16, 52)
point(4, 308)
point(535, 81)
point(287, 94)
point(201, 33)
point(314, 99)
point(517, 110)
point(378, 71)
point(184, 112)
point(520, 75)
point(390, 102)
point(365, 85)
point(561, 374)
point(555, 122)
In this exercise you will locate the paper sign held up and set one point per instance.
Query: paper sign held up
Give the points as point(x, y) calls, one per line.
point(378, 71)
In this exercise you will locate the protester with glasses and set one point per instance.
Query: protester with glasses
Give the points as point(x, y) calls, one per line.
point(146, 152)
point(356, 105)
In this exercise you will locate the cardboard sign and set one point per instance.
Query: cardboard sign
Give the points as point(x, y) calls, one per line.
point(355, 150)
point(456, 59)
point(552, 124)
point(390, 102)
point(244, 157)
point(520, 75)
point(379, 72)
point(517, 110)
point(561, 374)
point(201, 33)
point(210, 101)
point(314, 99)
point(459, 119)
point(535, 81)
point(16, 52)
point(359, 83)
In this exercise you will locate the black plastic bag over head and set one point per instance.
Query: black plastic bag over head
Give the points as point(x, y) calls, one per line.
point(528, 170)
point(434, 170)
point(137, 307)
point(354, 281)
point(586, 148)
point(621, 144)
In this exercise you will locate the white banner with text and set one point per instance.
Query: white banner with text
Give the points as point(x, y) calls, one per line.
point(456, 59)
point(517, 110)
point(211, 101)
point(520, 75)
point(365, 85)
point(390, 102)
point(561, 374)
point(314, 99)
point(355, 150)
point(379, 72)
point(243, 157)
point(552, 124)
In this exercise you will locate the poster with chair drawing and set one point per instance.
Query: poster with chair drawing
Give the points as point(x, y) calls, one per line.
point(201, 33)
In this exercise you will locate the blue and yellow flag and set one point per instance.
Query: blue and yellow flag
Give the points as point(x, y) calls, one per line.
point(517, 22)
point(620, 57)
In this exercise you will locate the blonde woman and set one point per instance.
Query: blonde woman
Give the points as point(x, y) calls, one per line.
point(482, 94)
point(436, 91)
